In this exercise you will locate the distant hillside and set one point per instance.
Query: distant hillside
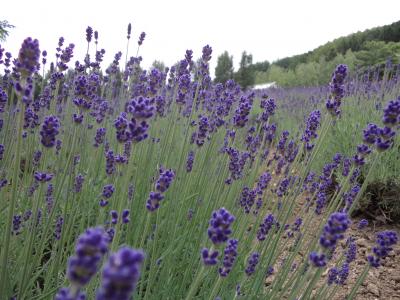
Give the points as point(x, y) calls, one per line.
point(358, 50)
point(354, 42)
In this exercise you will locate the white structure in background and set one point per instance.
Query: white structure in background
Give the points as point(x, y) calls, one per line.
point(265, 86)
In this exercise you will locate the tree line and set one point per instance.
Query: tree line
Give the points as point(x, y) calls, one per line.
point(372, 47)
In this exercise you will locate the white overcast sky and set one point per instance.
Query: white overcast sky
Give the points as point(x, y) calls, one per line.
point(267, 29)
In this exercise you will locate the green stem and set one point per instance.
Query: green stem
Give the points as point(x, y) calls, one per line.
point(359, 281)
point(194, 286)
point(7, 232)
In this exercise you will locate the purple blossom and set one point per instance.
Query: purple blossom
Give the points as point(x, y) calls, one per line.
point(242, 112)
point(129, 31)
point(370, 133)
point(140, 108)
point(362, 224)
point(43, 177)
point(153, 202)
point(318, 260)
point(202, 132)
point(269, 107)
point(219, 228)
point(89, 34)
point(347, 162)
point(333, 230)
point(337, 90)
point(108, 190)
point(164, 180)
point(207, 51)
point(320, 203)
point(391, 113)
point(79, 179)
point(3, 100)
point(265, 227)
point(3, 183)
point(110, 163)
point(230, 254)
point(351, 252)
point(125, 216)
point(252, 263)
point(384, 242)
point(114, 217)
point(16, 224)
point(385, 140)
point(210, 258)
point(121, 274)
point(49, 131)
point(351, 195)
point(36, 157)
point(65, 57)
point(283, 140)
point(283, 187)
point(69, 294)
point(263, 182)
point(89, 251)
point(338, 275)
point(28, 57)
point(141, 38)
point(310, 133)
point(100, 135)
point(58, 230)
point(2, 149)
point(189, 161)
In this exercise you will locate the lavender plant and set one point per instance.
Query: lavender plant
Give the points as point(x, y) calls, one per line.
point(83, 151)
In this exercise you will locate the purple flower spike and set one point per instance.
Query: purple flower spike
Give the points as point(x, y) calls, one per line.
point(89, 251)
point(114, 217)
point(189, 162)
point(58, 230)
point(337, 90)
point(49, 131)
point(120, 274)
point(252, 263)
point(141, 38)
point(125, 216)
point(129, 31)
point(312, 125)
point(209, 257)
point(67, 294)
point(43, 177)
point(362, 224)
point(2, 149)
point(230, 254)
point(318, 260)
point(391, 113)
point(333, 230)
point(219, 226)
point(79, 179)
point(165, 180)
point(265, 227)
point(351, 251)
point(153, 202)
point(28, 57)
point(108, 190)
point(370, 133)
point(384, 241)
point(89, 34)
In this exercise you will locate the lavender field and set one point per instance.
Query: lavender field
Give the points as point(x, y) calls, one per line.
point(118, 182)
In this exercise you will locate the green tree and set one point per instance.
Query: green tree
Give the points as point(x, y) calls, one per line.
point(377, 52)
point(245, 75)
point(224, 68)
point(4, 29)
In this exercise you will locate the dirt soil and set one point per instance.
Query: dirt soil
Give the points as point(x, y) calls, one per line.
point(381, 283)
